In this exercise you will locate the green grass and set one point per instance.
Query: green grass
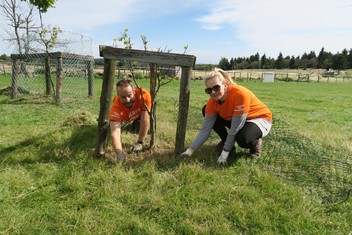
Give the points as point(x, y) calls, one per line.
point(50, 183)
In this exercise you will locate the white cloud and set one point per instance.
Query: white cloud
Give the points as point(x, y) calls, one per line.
point(291, 26)
point(87, 14)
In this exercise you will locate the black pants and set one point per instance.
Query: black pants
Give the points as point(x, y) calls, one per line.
point(136, 124)
point(246, 137)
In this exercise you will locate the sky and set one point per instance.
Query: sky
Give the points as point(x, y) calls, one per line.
point(211, 29)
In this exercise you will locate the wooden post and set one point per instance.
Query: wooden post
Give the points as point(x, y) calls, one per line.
point(183, 109)
point(90, 78)
point(105, 102)
point(47, 75)
point(14, 82)
point(58, 94)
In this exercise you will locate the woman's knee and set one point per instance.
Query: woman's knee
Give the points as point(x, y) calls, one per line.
point(244, 141)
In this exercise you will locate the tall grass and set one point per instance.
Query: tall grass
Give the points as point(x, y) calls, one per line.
point(51, 184)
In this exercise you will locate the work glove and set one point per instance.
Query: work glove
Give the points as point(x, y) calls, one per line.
point(120, 157)
point(137, 147)
point(187, 153)
point(223, 157)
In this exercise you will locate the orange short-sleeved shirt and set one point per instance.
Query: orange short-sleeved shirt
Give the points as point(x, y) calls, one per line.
point(120, 112)
point(239, 100)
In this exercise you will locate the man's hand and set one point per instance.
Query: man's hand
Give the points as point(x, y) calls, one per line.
point(120, 157)
point(137, 147)
point(223, 157)
point(187, 153)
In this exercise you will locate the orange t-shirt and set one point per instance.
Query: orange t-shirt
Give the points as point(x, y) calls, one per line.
point(120, 112)
point(239, 100)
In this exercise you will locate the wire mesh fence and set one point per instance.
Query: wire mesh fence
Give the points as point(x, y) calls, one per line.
point(67, 71)
point(319, 170)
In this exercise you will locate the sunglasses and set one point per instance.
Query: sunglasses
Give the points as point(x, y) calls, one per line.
point(210, 90)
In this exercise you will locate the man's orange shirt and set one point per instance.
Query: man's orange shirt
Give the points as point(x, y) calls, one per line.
point(120, 112)
point(239, 100)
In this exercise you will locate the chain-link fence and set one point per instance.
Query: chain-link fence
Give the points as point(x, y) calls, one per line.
point(65, 72)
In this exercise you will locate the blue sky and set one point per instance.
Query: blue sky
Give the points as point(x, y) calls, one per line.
point(211, 29)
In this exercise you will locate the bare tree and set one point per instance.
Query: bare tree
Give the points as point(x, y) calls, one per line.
point(21, 24)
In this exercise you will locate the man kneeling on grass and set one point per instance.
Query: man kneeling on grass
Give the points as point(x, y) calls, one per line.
point(130, 105)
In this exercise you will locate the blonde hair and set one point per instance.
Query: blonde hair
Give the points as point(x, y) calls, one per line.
point(216, 72)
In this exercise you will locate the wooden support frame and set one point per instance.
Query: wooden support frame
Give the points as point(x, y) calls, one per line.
point(111, 55)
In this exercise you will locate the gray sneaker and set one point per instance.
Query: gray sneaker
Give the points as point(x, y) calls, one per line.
point(255, 151)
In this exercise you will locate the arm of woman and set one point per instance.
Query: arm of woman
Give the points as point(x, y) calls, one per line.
point(237, 123)
point(204, 132)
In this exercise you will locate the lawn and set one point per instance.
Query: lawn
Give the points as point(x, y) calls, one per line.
point(50, 183)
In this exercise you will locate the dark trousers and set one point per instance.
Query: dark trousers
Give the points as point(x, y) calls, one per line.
point(136, 124)
point(246, 137)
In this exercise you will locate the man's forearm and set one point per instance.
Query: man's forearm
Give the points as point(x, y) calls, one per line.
point(115, 128)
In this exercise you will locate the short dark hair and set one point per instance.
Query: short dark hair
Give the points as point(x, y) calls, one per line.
point(124, 83)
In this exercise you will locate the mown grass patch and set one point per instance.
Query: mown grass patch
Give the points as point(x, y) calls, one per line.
point(51, 183)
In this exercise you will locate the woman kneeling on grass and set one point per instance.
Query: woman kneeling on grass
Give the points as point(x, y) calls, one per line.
point(234, 107)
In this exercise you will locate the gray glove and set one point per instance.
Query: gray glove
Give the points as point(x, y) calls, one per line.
point(120, 157)
point(137, 147)
point(223, 157)
point(187, 153)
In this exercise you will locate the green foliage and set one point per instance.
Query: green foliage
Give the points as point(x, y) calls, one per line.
point(49, 37)
point(125, 39)
point(4, 57)
point(51, 183)
point(325, 60)
point(43, 5)
point(224, 64)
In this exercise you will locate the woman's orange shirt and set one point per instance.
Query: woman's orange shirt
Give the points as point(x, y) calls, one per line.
point(239, 100)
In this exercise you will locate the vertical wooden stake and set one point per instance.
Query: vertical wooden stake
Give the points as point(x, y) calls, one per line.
point(183, 109)
point(48, 82)
point(14, 82)
point(105, 102)
point(90, 66)
point(58, 94)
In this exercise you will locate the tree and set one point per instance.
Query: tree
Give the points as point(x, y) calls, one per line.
point(4, 57)
point(42, 5)
point(292, 63)
point(349, 58)
point(339, 62)
point(224, 64)
point(263, 62)
point(321, 58)
point(156, 79)
point(19, 18)
point(279, 63)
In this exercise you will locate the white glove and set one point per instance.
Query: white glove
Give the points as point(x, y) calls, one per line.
point(120, 157)
point(187, 153)
point(223, 157)
point(137, 147)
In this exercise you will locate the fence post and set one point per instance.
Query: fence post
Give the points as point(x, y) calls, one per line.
point(105, 102)
point(58, 80)
point(14, 82)
point(90, 78)
point(48, 82)
point(183, 109)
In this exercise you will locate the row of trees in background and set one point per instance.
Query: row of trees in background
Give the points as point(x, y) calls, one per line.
point(324, 60)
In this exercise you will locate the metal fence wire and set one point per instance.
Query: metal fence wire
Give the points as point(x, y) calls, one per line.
point(321, 171)
point(76, 61)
